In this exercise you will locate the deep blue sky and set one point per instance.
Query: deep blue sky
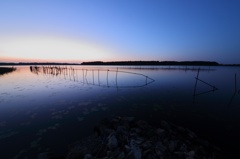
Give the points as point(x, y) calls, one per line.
point(120, 30)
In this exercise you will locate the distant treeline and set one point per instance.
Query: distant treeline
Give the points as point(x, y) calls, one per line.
point(231, 65)
point(192, 63)
point(146, 63)
point(36, 63)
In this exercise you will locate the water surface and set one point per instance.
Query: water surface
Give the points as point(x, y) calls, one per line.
point(47, 110)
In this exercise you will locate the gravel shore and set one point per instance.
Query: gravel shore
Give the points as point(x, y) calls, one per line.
point(128, 138)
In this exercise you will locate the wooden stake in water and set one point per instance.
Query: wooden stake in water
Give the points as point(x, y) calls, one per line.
point(235, 83)
point(196, 82)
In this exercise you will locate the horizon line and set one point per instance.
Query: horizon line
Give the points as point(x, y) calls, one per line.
point(106, 62)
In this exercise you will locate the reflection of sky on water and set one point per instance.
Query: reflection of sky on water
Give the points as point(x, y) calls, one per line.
point(57, 108)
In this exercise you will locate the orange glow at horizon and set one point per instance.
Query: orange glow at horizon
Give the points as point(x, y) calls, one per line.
point(52, 49)
point(16, 60)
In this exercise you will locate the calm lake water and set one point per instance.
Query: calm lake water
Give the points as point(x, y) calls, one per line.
point(47, 110)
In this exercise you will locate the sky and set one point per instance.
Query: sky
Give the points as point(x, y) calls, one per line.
point(117, 30)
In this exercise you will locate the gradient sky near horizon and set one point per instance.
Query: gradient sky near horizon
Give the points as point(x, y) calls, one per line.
point(113, 30)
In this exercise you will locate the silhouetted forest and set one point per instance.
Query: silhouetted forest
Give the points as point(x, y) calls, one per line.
point(149, 63)
point(36, 63)
point(192, 63)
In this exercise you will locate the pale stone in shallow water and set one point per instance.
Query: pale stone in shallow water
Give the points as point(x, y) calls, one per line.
point(172, 145)
point(80, 119)
point(135, 149)
point(121, 155)
point(43, 155)
point(160, 131)
point(88, 156)
point(112, 141)
point(191, 153)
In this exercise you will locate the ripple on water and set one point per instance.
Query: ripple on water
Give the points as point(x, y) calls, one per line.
point(45, 130)
point(71, 107)
point(84, 103)
point(32, 116)
point(94, 109)
point(7, 133)
point(25, 123)
point(35, 143)
point(2, 123)
point(80, 119)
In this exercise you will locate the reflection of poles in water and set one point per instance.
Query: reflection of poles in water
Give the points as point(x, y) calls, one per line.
point(235, 90)
point(196, 82)
point(116, 77)
point(83, 75)
point(107, 78)
point(201, 93)
point(231, 100)
point(235, 83)
point(71, 73)
point(98, 78)
point(86, 77)
point(93, 76)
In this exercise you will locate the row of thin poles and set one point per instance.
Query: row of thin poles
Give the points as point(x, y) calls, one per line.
point(166, 67)
point(72, 74)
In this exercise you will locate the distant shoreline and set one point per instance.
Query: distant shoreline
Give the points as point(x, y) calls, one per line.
point(126, 63)
point(154, 63)
point(34, 63)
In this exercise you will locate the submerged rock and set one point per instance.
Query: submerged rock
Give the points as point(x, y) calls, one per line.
point(112, 141)
point(127, 138)
point(135, 149)
point(88, 156)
